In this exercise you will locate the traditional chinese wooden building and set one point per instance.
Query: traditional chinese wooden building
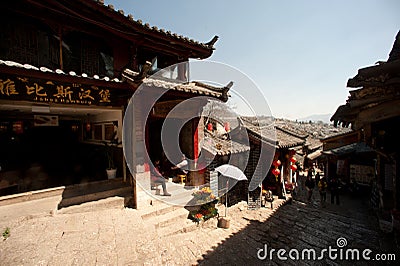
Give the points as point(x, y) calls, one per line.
point(373, 108)
point(277, 143)
point(64, 88)
point(219, 148)
point(349, 158)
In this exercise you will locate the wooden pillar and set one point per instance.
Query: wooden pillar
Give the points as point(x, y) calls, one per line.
point(182, 71)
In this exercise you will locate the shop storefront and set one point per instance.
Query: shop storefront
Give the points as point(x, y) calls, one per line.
point(53, 129)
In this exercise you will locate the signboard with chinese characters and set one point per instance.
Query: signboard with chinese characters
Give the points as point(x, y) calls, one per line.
point(47, 91)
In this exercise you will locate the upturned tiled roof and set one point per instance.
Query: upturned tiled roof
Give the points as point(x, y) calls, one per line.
point(314, 155)
point(162, 32)
point(358, 147)
point(376, 85)
point(260, 130)
point(395, 52)
point(287, 139)
point(217, 145)
point(313, 143)
point(193, 87)
point(55, 71)
point(272, 134)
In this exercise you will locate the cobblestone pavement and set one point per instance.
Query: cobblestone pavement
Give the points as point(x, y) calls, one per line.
point(121, 237)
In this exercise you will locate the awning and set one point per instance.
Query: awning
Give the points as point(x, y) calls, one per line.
point(218, 145)
point(358, 147)
point(314, 155)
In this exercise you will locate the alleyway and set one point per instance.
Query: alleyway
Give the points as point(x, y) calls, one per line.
point(121, 237)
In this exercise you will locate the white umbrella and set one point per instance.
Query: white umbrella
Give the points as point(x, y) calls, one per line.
point(233, 172)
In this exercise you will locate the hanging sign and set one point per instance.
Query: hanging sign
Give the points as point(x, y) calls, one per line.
point(47, 91)
point(45, 120)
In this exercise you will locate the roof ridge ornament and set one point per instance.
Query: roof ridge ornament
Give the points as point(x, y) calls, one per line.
point(213, 41)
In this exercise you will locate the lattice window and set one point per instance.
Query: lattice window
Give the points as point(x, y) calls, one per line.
point(24, 46)
point(90, 57)
point(54, 52)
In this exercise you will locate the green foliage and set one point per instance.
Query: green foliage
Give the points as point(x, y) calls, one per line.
point(205, 212)
point(109, 152)
point(6, 233)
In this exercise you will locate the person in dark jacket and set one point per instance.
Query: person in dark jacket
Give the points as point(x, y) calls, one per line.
point(310, 187)
point(322, 186)
point(334, 187)
point(157, 177)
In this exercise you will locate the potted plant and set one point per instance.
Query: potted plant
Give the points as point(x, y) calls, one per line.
point(111, 169)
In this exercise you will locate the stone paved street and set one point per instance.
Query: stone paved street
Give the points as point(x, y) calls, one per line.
point(122, 237)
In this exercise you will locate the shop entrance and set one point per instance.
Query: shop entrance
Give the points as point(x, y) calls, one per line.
point(57, 148)
point(158, 148)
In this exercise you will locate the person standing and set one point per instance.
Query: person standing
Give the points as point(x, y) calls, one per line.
point(322, 185)
point(310, 187)
point(334, 188)
point(317, 178)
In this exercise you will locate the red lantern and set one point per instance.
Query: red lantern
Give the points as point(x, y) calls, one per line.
point(277, 163)
point(293, 160)
point(209, 127)
point(293, 167)
point(227, 127)
point(276, 171)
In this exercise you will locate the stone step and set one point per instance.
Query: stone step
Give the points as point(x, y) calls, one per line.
point(97, 205)
point(124, 192)
point(158, 208)
point(167, 219)
point(180, 227)
point(93, 187)
point(170, 218)
point(31, 195)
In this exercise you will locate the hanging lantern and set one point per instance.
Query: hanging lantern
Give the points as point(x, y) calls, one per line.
point(276, 163)
point(227, 127)
point(276, 171)
point(209, 126)
point(293, 160)
point(88, 127)
point(293, 167)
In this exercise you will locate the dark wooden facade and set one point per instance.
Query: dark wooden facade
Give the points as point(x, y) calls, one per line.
point(268, 143)
point(373, 108)
point(66, 60)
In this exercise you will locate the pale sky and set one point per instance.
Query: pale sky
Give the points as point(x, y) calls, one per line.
point(300, 54)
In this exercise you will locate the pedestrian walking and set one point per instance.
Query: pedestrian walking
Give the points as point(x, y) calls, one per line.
point(322, 186)
point(334, 188)
point(317, 178)
point(294, 183)
point(310, 187)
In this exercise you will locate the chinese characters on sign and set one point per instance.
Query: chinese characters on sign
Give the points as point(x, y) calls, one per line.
point(21, 88)
point(7, 87)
